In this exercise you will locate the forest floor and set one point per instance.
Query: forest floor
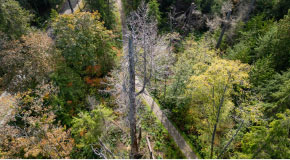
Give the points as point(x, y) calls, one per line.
point(174, 133)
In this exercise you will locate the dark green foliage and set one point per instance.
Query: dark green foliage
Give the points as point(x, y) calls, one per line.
point(130, 5)
point(268, 141)
point(105, 8)
point(209, 6)
point(41, 9)
point(84, 55)
point(262, 71)
point(72, 91)
point(275, 91)
point(247, 37)
point(87, 129)
point(272, 8)
point(264, 38)
point(276, 42)
point(154, 10)
point(163, 142)
point(84, 41)
point(14, 20)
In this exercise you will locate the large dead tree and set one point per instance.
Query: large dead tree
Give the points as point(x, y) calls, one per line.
point(145, 56)
point(142, 39)
point(132, 101)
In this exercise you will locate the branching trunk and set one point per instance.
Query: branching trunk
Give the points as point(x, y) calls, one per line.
point(132, 101)
point(227, 145)
point(144, 71)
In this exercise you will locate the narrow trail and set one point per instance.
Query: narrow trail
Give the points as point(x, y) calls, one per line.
point(179, 140)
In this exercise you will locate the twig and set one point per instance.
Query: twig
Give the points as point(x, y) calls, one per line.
point(150, 148)
point(103, 145)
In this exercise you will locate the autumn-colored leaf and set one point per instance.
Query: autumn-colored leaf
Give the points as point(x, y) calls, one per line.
point(69, 84)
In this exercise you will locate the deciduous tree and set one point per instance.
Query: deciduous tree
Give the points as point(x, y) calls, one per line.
point(26, 62)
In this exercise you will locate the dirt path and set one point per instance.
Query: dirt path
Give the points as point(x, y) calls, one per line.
point(179, 140)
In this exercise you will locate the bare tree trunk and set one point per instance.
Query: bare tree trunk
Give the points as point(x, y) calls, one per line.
point(140, 135)
point(72, 10)
point(224, 26)
point(227, 145)
point(145, 69)
point(132, 101)
point(176, 87)
point(167, 68)
point(164, 94)
point(217, 121)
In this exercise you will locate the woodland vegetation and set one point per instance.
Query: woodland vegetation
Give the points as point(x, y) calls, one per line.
point(218, 69)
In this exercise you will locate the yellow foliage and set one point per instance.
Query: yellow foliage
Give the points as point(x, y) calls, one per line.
point(205, 90)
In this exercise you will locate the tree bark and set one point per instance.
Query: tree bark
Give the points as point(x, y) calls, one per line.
point(72, 10)
point(224, 26)
point(165, 88)
point(132, 101)
point(227, 145)
point(217, 121)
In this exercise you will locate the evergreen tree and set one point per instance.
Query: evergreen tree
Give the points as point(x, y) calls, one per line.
point(14, 20)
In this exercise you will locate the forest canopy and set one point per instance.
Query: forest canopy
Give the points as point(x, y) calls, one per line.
point(145, 79)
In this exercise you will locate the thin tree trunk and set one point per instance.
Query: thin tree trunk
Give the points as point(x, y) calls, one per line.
point(217, 121)
point(150, 148)
point(166, 70)
point(72, 10)
point(251, 7)
point(227, 145)
point(176, 87)
point(224, 26)
point(140, 135)
point(145, 69)
point(132, 101)
point(164, 94)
